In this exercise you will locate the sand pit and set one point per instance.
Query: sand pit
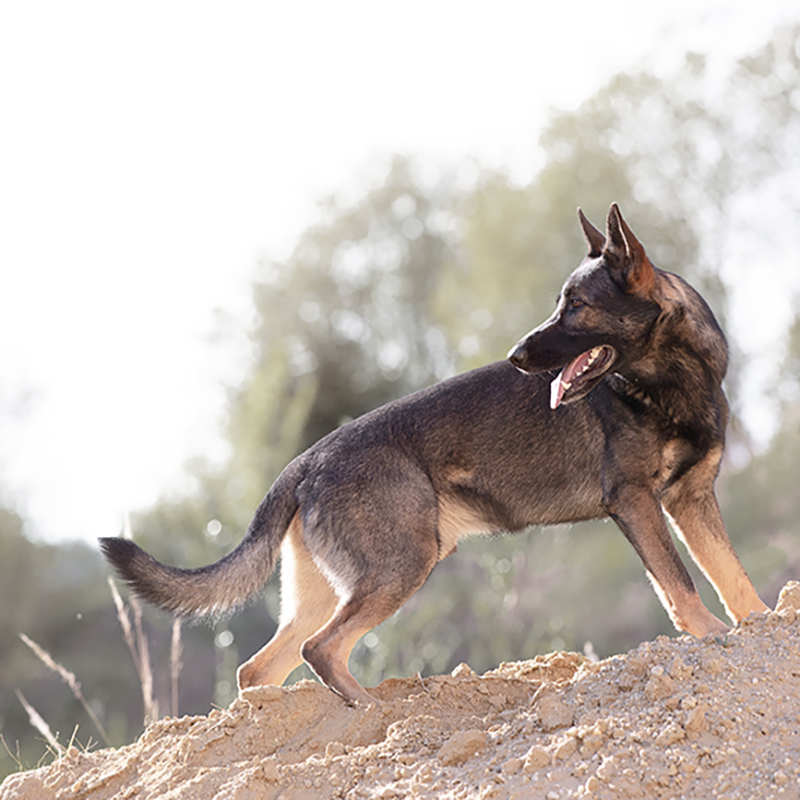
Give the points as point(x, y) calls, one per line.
point(712, 718)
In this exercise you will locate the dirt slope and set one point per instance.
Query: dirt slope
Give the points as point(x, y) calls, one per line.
point(714, 718)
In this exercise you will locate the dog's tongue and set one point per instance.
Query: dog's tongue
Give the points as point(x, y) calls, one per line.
point(565, 377)
point(557, 390)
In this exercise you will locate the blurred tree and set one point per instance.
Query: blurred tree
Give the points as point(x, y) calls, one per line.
point(345, 324)
point(762, 500)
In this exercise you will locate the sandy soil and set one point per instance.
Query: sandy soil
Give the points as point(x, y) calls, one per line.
point(713, 718)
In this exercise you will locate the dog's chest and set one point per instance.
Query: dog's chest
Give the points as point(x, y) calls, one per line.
point(677, 456)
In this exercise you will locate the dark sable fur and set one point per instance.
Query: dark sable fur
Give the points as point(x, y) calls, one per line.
point(363, 516)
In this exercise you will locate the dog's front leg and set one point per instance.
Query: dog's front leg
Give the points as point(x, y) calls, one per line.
point(639, 516)
point(697, 519)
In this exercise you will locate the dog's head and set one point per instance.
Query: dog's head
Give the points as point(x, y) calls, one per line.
point(605, 313)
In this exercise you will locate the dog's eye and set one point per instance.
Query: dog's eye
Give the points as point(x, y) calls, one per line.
point(576, 302)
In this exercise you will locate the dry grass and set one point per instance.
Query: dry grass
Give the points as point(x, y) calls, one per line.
point(175, 663)
point(71, 681)
point(38, 722)
point(135, 638)
point(139, 649)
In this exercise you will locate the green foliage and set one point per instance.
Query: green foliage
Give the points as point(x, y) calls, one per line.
point(351, 306)
point(762, 500)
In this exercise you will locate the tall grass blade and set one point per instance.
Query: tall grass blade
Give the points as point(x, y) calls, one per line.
point(68, 678)
point(175, 656)
point(38, 722)
point(125, 624)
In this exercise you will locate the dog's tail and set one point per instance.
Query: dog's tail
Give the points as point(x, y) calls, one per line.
point(218, 589)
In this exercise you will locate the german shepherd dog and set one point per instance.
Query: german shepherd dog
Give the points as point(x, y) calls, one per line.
point(631, 426)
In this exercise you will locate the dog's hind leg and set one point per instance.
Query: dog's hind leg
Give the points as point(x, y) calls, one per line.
point(327, 652)
point(641, 519)
point(693, 508)
point(307, 603)
point(389, 552)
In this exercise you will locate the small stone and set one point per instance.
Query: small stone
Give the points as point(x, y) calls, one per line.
point(270, 771)
point(670, 735)
point(565, 749)
point(695, 719)
point(463, 670)
point(334, 749)
point(553, 713)
point(512, 766)
point(659, 686)
point(788, 615)
point(536, 758)
point(608, 769)
point(461, 746)
point(591, 744)
point(637, 665)
point(789, 597)
point(671, 703)
point(679, 669)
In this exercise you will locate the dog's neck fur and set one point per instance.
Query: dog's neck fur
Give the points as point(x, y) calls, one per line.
point(649, 383)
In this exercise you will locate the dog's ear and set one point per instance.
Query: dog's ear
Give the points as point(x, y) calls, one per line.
point(635, 270)
point(594, 239)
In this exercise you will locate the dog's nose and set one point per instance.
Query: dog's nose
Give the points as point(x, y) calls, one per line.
point(516, 355)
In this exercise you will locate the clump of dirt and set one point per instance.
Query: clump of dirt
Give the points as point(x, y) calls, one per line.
point(711, 718)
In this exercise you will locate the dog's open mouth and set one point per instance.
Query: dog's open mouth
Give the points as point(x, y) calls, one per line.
point(581, 374)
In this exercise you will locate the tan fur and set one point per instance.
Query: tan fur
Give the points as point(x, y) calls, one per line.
point(695, 514)
point(457, 520)
point(671, 456)
point(307, 603)
point(673, 290)
point(686, 610)
point(327, 652)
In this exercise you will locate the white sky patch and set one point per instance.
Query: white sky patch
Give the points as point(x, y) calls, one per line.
point(151, 152)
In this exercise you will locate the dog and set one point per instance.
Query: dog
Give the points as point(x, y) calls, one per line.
point(613, 407)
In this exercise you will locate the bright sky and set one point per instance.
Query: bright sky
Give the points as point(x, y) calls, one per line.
point(150, 152)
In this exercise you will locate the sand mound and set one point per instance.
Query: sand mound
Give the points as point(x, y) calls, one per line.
point(713, 718)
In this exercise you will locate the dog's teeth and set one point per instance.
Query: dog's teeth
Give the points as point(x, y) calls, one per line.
point(590, 359)
point(566, 385)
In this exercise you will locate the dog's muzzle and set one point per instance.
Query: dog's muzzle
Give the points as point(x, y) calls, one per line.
point(516, 355)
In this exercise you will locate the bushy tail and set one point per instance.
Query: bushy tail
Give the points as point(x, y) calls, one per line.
point(218, 589)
